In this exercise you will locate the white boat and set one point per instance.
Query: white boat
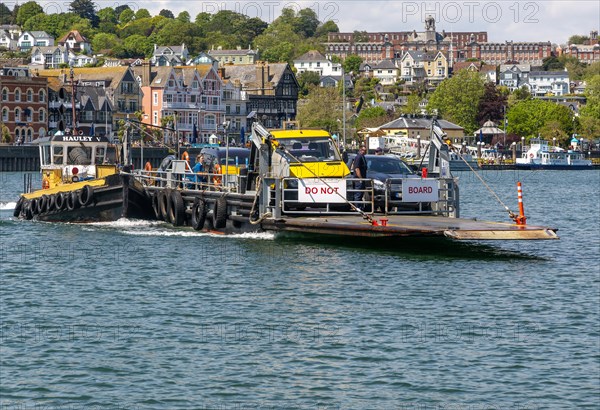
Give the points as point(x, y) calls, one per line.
point(539, 155)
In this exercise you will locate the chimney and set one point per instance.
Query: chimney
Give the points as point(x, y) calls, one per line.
point(221, 72)
point(262, 75)
point(593, 36)
point(146, 73)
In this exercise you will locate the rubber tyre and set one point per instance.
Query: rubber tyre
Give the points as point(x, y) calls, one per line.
point(27, 211)
point(220, 213)
point(70, 200)
point(176, 208)
point(18, 207)
point(59, 202)
point(163, 201)
point(85, 196)
point(156, 205)
point(42, 204)
point(198, 214)
point(33, 206)
point(51, 203)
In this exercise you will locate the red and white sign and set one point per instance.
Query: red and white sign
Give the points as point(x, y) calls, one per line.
point(321, 191)
point(419, 190)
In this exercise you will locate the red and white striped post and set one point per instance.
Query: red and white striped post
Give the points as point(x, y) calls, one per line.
point(521, 219)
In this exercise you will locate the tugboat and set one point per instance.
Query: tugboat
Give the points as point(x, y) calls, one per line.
point(79, 184)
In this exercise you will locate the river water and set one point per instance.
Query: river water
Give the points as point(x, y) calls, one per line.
point(141, 315)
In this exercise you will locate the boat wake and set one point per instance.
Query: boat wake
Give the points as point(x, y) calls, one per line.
point(138, 227)
point(7, 206)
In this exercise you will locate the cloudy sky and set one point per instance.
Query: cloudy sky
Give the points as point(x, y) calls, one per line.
point(518, 20)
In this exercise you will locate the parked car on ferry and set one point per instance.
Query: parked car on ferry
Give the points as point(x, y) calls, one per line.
point(380, 168)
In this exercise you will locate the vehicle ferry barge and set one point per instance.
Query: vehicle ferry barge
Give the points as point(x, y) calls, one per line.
point(296, 181)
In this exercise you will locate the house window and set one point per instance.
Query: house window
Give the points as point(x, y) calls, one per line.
point(5, 114)
point(155, 118)
point(42, 96)
point(132, 106)
point(17, 95)
point(155, 99)
point(29, 95)
point(4, 94)
point(17, 114)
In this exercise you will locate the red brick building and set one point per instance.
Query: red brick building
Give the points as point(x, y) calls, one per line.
point(23, 104)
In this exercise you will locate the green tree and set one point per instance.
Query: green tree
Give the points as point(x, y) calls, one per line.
point(138, 46)
point(589, 114)
point(58, 24)
point(5, 14)
point(552, 63)
point(142, 14)
point(175, 32)
point(412, 104)
point(322, 109)
point(85, 9)
point(553, 129)
point(520, 94)
point(352, 63)
point(306, 22)
point(457, 98)
point(120, 9)
point(527, 117)
point(372, 117)
point(126, 16)
point(577, 39)
point(28, 10)
point(6, 137)
point(307, 80)
point(105, 41)
point(166, 13)
point(107, 20)
point(184, 17)
point(203, 19)
point(277, 42)
point(328, 27)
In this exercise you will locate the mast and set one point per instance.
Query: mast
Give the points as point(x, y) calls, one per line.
point(73, 110)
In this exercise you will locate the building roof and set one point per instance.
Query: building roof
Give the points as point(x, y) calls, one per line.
point(418, 123)
point(237, 52)
point(40, 34)
point(76, 35)
point(112, 75)
point(246, 73)
point(312, 55)
point(385, 64)
point(562, 74)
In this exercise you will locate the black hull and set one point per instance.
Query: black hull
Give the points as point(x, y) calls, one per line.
point(121, 197)
point(554, 167)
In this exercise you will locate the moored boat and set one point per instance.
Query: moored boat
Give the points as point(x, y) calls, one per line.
point(539, 155)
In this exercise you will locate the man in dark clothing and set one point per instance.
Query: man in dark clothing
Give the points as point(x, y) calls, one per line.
point(359, 166)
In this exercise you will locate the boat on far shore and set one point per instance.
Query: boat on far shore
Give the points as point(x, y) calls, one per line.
point(539, 155)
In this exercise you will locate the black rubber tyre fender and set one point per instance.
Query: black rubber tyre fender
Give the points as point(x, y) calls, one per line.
point(85, 195)
point(51, 203)
point(156, 205)
point(59, 201)
point(163, 201)
point(220, 213)
point(198, 214)
point(18, 207)
point(42, 204)
point(176, 208)
point(27, 211)
point(70, 200)
point(33, 206)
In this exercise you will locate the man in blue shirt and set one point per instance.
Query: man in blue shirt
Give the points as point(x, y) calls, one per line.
point(199, 169)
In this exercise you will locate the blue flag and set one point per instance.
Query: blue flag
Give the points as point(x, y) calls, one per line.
point(480, 135)
point(93, 130)
point(242, 136)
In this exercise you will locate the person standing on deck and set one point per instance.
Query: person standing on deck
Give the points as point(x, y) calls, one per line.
point(359, 167)
point(199, 169)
